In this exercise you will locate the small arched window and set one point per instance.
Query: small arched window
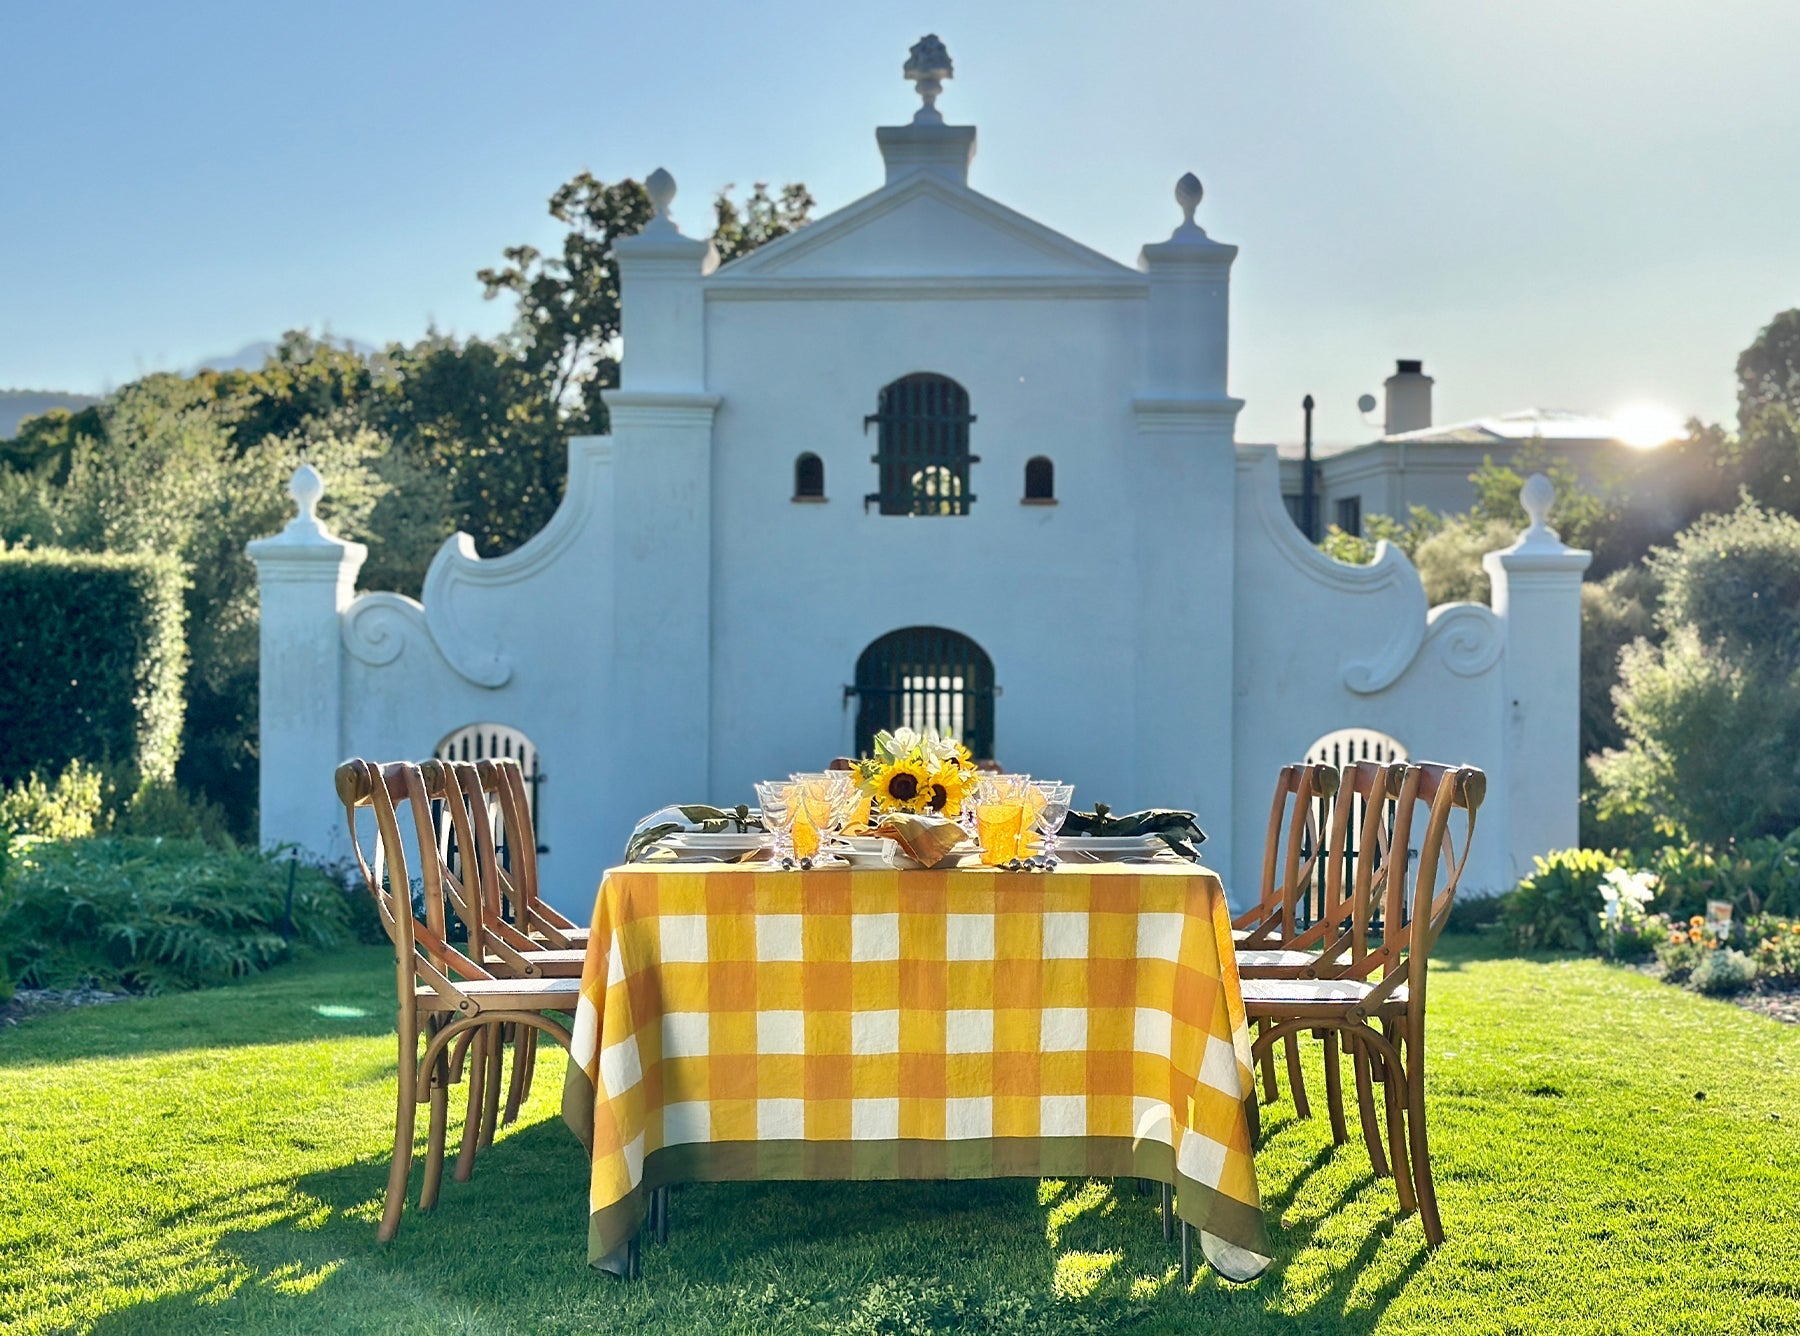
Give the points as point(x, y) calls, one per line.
point(809, 478)
point(1040, 481)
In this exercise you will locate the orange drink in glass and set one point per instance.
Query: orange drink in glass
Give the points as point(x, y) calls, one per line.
point(998, 826)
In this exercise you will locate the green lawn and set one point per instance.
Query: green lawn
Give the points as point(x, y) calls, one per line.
point(1613, 1155)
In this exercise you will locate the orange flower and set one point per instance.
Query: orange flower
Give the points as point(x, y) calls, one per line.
point(1676, 938)
point(1693, 934)
point(1697, 921)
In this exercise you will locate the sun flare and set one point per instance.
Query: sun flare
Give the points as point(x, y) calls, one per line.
point(1646, 426)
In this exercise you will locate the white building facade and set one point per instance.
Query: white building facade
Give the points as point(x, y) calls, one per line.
point(924, 460)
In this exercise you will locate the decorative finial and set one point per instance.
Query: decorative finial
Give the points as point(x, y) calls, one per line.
point(306, 487)
point(928, 65)
point(660, 187)
point(1188, 193)
point(1536, 496)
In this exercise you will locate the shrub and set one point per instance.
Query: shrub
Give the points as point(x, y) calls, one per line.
point(91, 662)
point(1680, 956)
point(1710, 717)
point(66, 810)
point(1726, 970)
point(1557, 908)
point(153, 914)
point(163, 808)
point(1756, 876)
point(1775, 946)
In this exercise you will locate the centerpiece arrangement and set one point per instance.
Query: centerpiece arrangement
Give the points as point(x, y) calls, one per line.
point(920, 773)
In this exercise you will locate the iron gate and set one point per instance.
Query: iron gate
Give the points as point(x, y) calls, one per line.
point(925, 678)
point(923, 451)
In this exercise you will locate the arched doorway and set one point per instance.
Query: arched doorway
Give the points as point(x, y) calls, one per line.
point(926, 678)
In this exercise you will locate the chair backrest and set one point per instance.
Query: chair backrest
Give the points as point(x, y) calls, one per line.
point(510, 805)
point(421, 949)
point(1292, 850)
point(1427, 891)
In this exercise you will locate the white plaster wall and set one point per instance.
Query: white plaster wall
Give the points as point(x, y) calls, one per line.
point(542, 615)
point(1311, 630)
point(801, 589)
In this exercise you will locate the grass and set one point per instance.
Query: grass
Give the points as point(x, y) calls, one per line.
point(1614, 1155)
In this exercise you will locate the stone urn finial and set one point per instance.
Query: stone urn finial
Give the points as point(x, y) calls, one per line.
point(660, 187)
point(1536, 496)
point(1188, 194)
point(306, 487)
point(928, 65)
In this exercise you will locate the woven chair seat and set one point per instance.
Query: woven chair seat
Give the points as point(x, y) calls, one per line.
point(1270, 996)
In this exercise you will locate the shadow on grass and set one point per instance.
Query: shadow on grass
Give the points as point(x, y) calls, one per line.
point(507, 1251)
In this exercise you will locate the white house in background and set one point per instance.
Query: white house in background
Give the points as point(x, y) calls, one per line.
point(1414, 463)
point(924, 461)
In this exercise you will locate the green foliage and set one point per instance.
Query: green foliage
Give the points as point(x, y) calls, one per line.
point(1768, 371)
point(1351, 549)
point(1681, 956)
point(154, 914)
point(65, 810)
point(1710, 717)
point(1580, 516)
point(1449, 561)
point(1756, 876)
point(162, 808)
point(1775, 946)
point(1724, 970)
point(1615, 612)
point(91, 662)
point(1557, 908)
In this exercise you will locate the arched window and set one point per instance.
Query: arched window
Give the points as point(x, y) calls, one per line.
point(923, 453)
point(1346, 746)
point(1040, 481)
point(924, 677)
point(809, 478)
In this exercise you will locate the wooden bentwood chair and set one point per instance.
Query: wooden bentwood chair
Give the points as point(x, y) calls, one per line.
point(1372, 995)
point(459, 1007)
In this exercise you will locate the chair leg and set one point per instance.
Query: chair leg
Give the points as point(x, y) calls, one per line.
point(1334, 1089)
point(524, 1045)
point(438, 1092)
point(661, 1200)
point(1187, 1254)
point(405, 1108)
point(471, 1134)
point(495, 1080)
point(1168, 1212)
point(1423, 1187)
point(1360, 1062)
point(1270, 1093)
point(1393, 1092)
point(1296, 1081)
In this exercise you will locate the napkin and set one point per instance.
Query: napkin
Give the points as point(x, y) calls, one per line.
point(1179, 830)
point(927, 840)
point(693, 817)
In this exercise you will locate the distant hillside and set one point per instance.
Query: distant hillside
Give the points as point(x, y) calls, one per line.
point(252, 355)
point(17, 405)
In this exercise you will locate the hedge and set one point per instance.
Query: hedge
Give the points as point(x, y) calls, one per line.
point(91, 662)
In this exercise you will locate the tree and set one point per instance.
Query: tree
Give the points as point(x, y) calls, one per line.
point(1710, 717)
point(568, 321)
point(1768, 371)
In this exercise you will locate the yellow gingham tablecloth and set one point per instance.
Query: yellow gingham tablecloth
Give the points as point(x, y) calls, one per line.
point(742, 1022)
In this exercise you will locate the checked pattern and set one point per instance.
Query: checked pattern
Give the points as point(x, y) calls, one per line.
point(740, 1022)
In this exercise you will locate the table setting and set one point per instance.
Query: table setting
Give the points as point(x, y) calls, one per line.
point(908, 967)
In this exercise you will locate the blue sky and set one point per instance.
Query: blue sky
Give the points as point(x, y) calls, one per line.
point(1558, 203)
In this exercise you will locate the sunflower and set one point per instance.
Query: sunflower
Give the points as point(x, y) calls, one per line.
point(902, 786)
point(945, 790)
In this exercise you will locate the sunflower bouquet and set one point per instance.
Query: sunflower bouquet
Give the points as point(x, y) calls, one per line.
point(916, 772)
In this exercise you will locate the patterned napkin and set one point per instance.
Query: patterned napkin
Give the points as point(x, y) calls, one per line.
point(695, 818)
point(927, 840)
point(1179, 830)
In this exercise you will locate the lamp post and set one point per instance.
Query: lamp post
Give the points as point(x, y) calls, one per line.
point(1309, 520)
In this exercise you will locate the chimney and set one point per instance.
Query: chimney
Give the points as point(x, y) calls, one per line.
point(1408, 397)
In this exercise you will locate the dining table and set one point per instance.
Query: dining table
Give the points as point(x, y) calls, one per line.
point(746, 1022)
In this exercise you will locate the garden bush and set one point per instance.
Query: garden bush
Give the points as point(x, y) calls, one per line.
point(1557, 908)
point(1756, 875)
point(91, 663)
point(148, 914)
point(65, 810)
point(1725, 970)
point(1775, 948)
